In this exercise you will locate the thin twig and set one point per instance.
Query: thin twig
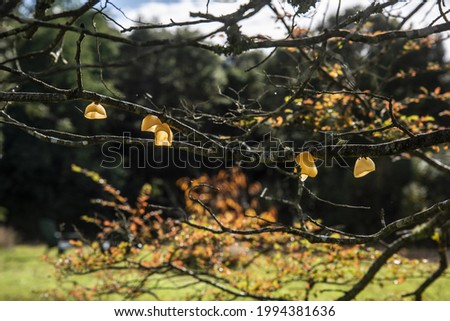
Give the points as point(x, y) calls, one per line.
point(432, 161)
point(396, 122)
point(78, 61)
point(359, 207)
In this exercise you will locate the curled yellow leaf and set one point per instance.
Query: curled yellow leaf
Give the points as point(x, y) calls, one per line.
point(163, 135)
point(149, 123)
point(307, 166)
point(363, 166)
point(95, 111)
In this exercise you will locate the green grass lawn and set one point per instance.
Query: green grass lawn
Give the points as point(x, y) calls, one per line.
point(24, 275)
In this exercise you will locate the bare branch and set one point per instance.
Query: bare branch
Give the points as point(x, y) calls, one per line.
point(418, 233)
point(443, 264)
point(335, 204)
point(78, 62)
point(385, 149)
point(375, 267)
point(432, 161)
point(355, 37)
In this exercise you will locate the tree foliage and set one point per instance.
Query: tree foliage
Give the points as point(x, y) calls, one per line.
point(139, 253)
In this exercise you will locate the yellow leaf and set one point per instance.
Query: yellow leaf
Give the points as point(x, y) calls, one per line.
point(436, 237)
point(363, 166)
point(307, 166)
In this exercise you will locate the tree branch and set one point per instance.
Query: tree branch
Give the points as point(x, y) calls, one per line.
point(351, 150)
point(71, 95)
point(78, 62)
point(384, 149)
point(432, 161)
point(443, 264)
point(355, 37)
point(375, 267)
point(418, 233)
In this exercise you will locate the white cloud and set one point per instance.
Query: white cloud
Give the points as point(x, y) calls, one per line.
point(165, 12)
